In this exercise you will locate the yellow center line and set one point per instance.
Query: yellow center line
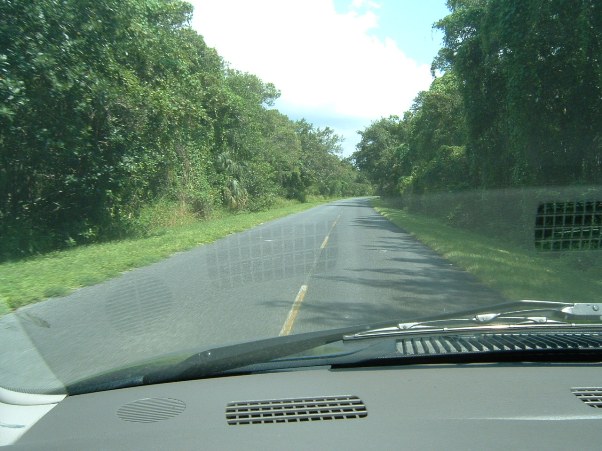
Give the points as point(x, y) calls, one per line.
point(287, 327)
point(324, 243)
point(292, 315)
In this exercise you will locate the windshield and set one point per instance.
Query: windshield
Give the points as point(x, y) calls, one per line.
point(178, 177)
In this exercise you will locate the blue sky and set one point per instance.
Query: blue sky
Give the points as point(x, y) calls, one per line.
point(337, 63)
point(409, 23)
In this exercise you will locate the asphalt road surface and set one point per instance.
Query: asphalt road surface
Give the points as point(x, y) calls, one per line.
point(335, 265)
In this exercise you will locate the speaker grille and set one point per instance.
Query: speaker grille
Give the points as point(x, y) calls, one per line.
point(150, 410)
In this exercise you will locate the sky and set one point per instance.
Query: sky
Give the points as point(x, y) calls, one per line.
point(337, 63)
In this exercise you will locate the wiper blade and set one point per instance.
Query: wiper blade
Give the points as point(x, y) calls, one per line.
point(211, 362)
point(528, 313)
point(215, 362)
point(225, 359)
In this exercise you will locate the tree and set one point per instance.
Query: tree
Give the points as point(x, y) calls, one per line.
point(379, 153)
point(107, 106)
point(531, 82)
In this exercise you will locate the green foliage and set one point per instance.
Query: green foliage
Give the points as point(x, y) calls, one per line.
point(516, 272)
point(531, 80)
point(108, 105)
point(517, 103)
point(380, 153)
point(60, 272)
point(163, 214)
point(424, 151)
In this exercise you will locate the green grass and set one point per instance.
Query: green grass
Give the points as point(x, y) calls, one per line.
point(515, 272)
point(59, 273)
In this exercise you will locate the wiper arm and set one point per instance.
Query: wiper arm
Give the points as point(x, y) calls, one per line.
point(583, 309)
point(216, 361)
point(212, 362)
point(542, 313)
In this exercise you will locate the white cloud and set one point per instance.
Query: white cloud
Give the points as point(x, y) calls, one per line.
point(357, 4)
point(320, 60)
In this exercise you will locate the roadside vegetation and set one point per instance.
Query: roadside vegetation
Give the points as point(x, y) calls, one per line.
point(108, 107)
point(120, 127)
point(515, 271)
point(509, 128)
point(516, 102)
point(168, 231)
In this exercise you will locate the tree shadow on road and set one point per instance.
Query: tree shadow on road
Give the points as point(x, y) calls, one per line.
point(376, 222)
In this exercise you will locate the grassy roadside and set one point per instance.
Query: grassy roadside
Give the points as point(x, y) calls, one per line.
point(515, 272)
point(59, 273)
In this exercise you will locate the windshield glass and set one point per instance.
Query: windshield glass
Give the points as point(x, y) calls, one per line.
point(183, 176)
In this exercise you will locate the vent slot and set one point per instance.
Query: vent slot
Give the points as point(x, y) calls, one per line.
point(590, 396)
point(463, 344)
point(150, 410)
point(295, 410)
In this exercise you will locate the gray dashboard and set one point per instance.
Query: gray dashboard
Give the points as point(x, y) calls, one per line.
point(487, 406)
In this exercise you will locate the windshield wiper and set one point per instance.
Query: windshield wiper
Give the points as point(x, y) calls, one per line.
point(225, 359)
point(214, 362)
point(538, 314)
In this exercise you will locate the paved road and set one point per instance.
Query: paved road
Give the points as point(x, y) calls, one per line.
point(332, 266)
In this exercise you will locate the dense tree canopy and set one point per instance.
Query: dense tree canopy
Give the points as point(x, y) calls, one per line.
point(108, 105)
point(518, 102)
point(424, 151)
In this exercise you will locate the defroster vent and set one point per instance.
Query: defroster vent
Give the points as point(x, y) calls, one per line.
point(295, 410)
point(589, 395)
point(498, 342)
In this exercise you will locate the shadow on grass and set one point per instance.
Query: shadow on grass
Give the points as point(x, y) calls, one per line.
point(517, 272)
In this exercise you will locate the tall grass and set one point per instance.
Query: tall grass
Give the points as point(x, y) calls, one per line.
point(515, 270)
point(169, 228)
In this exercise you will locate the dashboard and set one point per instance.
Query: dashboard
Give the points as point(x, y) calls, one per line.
point(450, 406)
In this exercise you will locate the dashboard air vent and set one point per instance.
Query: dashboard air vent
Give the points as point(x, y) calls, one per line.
point(462, 344)
point(150, 410)
point(295, 410)
point(590, 396)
